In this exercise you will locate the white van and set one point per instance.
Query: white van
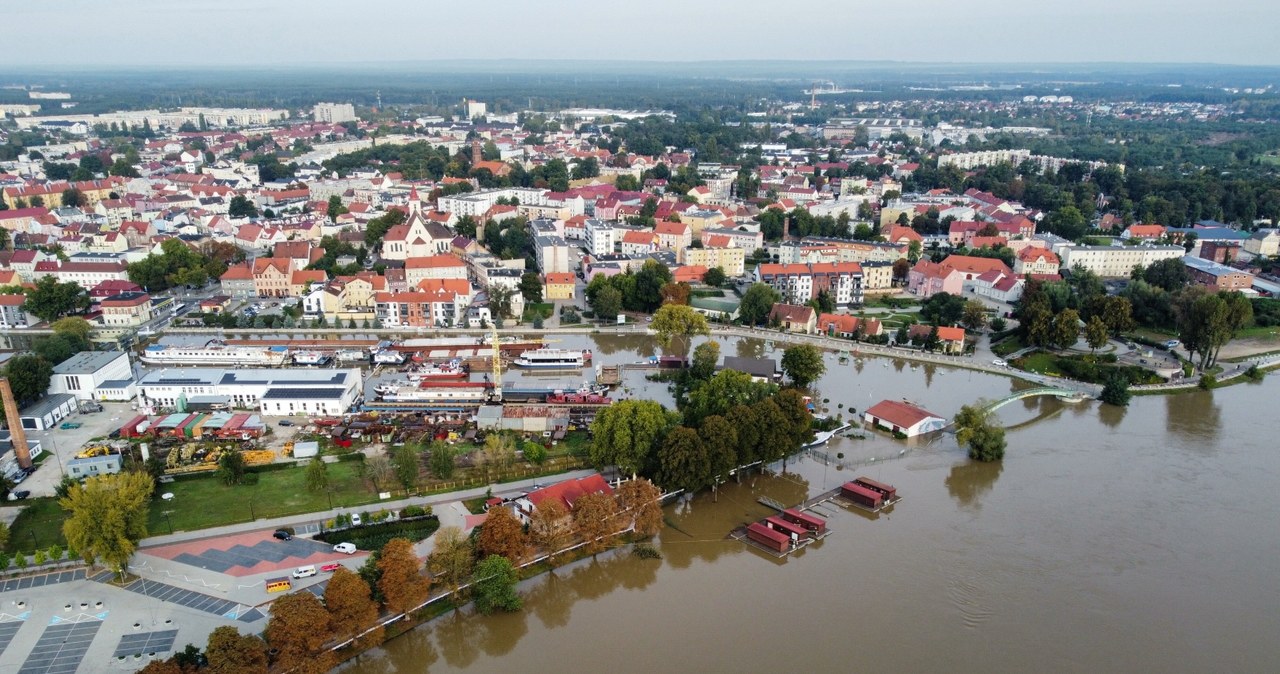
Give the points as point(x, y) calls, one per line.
point(345, 548)
point(304, 571)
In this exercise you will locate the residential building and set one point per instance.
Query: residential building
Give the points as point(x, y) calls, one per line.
point(90, 375)
point(1036, 261)
point(271, 277)
point(800, 318)
point(559, 286)
point(674, 235)
point(904, 418)
point(1144, 232)
point(126, 310)
point(848, 327)
point(951, 275)
point(565, 493)
point(419, 269)
point(442, 304)
point(999, 286)
point(601, 237)
point(1217, 276)
point(638, 242)
point(732, 261)
point(798, 283)
point(333, 113)
point(238, 282)
point(1117, 261)
point(86, 274)
point(760, 369)
point(877, 276)
point(1264, 242)
point(551, 254)
point(950, 339)
point(12, 315)
point(748, 241)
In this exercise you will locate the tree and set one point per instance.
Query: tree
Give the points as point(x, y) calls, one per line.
point(625, 434)
point(648, 286)
point(641, 501)
point(51, 300)
point(595, 516)
point(1066, 328)
point(676, 293)
point(901, 269)
point(502, 534)
point(494, 585)
point(549, 527)
point(442, 460)
point(1116, 391)
point(715, 277)
point(317, 475)
point(607, 303)
point(29, 377)
point(230, 467)
point(161, 666)
point(531, 287)
point(377, 228)
point(500, 300)
point(975, 429)
point(677, 320)
point(723, 391)
point(721, 440)
point(499, 452)
point(705, 357)
point(803, 364)
point(974, 316)
point(452, 557)
point(75, 327)
point(242, 207)
point(1170, 274)
point(108, 516)
point(230, 652)
point(351, 607)
point(943, 309)
point(1117, 313)
point(683, 463)
point(405, 463)
point(296, 632)
point(1095, 333)
point(335, 208)
point(756, 303)
point(402, 582)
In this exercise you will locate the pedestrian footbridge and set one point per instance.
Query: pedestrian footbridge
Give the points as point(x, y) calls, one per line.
point(1067, 394)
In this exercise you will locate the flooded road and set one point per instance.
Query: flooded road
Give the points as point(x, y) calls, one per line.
point(1139, 539)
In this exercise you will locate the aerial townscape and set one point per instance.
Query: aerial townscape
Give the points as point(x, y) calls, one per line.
point(396, 362)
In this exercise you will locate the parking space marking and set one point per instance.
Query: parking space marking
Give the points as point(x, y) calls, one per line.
point(61, 648)
point(147, 642)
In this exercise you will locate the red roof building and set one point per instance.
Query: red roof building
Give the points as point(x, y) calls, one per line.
point(902, 417)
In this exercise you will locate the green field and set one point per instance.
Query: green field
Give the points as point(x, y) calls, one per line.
point(38, 526)
point(544, 309)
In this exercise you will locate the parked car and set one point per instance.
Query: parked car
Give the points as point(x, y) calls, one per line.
point(1172, 344)
point(330, 568)
point(345, 548)
point(305, 571)
point(286, 422)
point(70, 425)
point(1000, 363)
point(19, 495)
point(283, 534)
point(355, 520)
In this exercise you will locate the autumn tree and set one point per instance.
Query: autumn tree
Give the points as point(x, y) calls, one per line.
point(641, 501)
point(164, 667)
point(683, 462)
point(595, 516)
point(502, 534)
point(297, 632)
point(549, 527)
point(452, 557)
point(107, 517)
point(494, 585)
point(626, 433)
point(402, 582)
point(676, 293)
point(230, 652)
point(351, 608)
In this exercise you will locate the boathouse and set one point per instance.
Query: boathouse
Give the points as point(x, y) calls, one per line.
point(862, 496)
point(792, 531)
point(904, 418)
point(763, 535)
point(811, 523)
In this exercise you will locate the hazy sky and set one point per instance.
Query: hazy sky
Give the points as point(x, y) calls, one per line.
point(284, 32)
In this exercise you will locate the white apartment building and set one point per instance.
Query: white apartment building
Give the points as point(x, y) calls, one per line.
point(478, 203)
point(601, 237)
point(552, 254)
point(1117, 261)
point(799, 283)
point(333, 113)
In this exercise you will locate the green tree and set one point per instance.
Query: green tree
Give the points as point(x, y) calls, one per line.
point(452, 557)
point(51, 300)
point(683, 462)
point(1170, 274)
point(723, 391)
point(705, 357)
point(242, 207)
point(803, 364)
point(1095, 333)
point(721, 441)
point(607, 303)
point(317, 475)
point(230, 467)
point(626, 433)
point(494, 585)
point(677, 320)
point(76, 328)
point(335, 208)
point(107, 516)
point(648, 287)
point(230, 652)
point(1116, 391)
point(74, 198)
point(297, 631)
point(531, 287)
point(1117, 313)
point(29, 377)
point(405, 462)
point(715, 277)
point(442, 461)
point(756, 303)
point(975, 429)
point(1066, 328)
point(974, 316)
point(943, 309)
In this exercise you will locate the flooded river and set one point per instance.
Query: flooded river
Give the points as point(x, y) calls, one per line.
point(1131, 540)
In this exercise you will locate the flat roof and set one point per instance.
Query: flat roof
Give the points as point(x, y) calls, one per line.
point(46, 405)
point(204, 376)
point(87, 362)
point(303, 394)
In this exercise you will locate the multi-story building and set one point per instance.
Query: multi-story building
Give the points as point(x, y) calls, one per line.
point(600, 237)
point(1217, 276)
point(272, 391)
point(1117, 261)
point(439, 306)
point(126, 310)
point(799, 283)
point(417, 237)
point(732, 261)
point(237, 281)
point(271, 277)
point(88, 375)
point(418, 269)
point(674, 235)
point(1036, 261)
point(477, 204)
point(551, 254)
point(87, 274)
point(1263, 242)
point(333, 113)
point(877, 276)
point(12, 315)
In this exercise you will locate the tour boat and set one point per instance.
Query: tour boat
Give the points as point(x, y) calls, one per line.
point(352, 355)
point(310, 358)
point(388, 357)
point(553, 359)
point(453, 369)
point(431, 393)
point(217, 354)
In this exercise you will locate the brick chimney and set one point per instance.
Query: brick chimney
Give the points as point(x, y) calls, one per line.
point(475, 152)
point(17, 435)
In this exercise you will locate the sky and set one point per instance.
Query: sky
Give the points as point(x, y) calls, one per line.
point(79, 33)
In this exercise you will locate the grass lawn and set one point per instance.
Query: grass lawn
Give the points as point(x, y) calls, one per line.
point(545, 309)
point(1008, 346)
point(38, 526)
point(204, 502)
point(1039, 361)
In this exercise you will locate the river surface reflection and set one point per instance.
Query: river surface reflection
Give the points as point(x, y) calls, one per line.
point(1127, 540)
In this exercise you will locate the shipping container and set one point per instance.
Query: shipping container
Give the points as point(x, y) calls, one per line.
point(183, 430)
point(812, 523)
point(887, 491)
point(792, 531)
point(768, 537)
point(861, 495)
point(197, 429)
point(130, 428)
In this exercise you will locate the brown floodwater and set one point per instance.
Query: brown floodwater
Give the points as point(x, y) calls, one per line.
point(1129, 540)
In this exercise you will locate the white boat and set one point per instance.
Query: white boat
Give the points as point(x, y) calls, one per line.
point(553, 359)
point(310, 358)
point(450, 370)
point(352, 355)
point(431, 394)
point(388, 357)
point(217, 354)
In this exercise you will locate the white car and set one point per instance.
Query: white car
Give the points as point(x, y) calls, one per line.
point(999, 363)
point(355, 520)
point(305, 571)
point(345, 548)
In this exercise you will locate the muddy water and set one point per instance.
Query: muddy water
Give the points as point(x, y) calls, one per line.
point(1108, 540)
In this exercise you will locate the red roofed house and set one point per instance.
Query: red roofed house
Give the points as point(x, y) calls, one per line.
point(126, 309)
point(416, 269)
point(674, 235)
point(300, 280)
point(237, 281)
point(566, 493)
point(1036, 261)
point(794, 317)
point(950, 340)
point(848, 327)
point(1144, 232)
point(559, 286)
point(999, 286)
point(271, 277)
point(904, 418)
point(689, 273)
point(639, 242)
point(903, 235)
point(12, 314)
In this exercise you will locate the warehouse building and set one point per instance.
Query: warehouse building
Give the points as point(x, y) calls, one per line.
point(270, 391)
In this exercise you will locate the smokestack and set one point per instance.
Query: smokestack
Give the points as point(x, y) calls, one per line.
point(17, 435)
point(475, 152)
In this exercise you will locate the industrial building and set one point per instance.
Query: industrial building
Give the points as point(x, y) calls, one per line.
point(95, 375)
point(271, 391)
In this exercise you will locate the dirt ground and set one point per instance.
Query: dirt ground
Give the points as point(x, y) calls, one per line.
point(1250, 346)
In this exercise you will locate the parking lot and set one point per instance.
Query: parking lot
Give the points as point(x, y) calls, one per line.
point(62, 445)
